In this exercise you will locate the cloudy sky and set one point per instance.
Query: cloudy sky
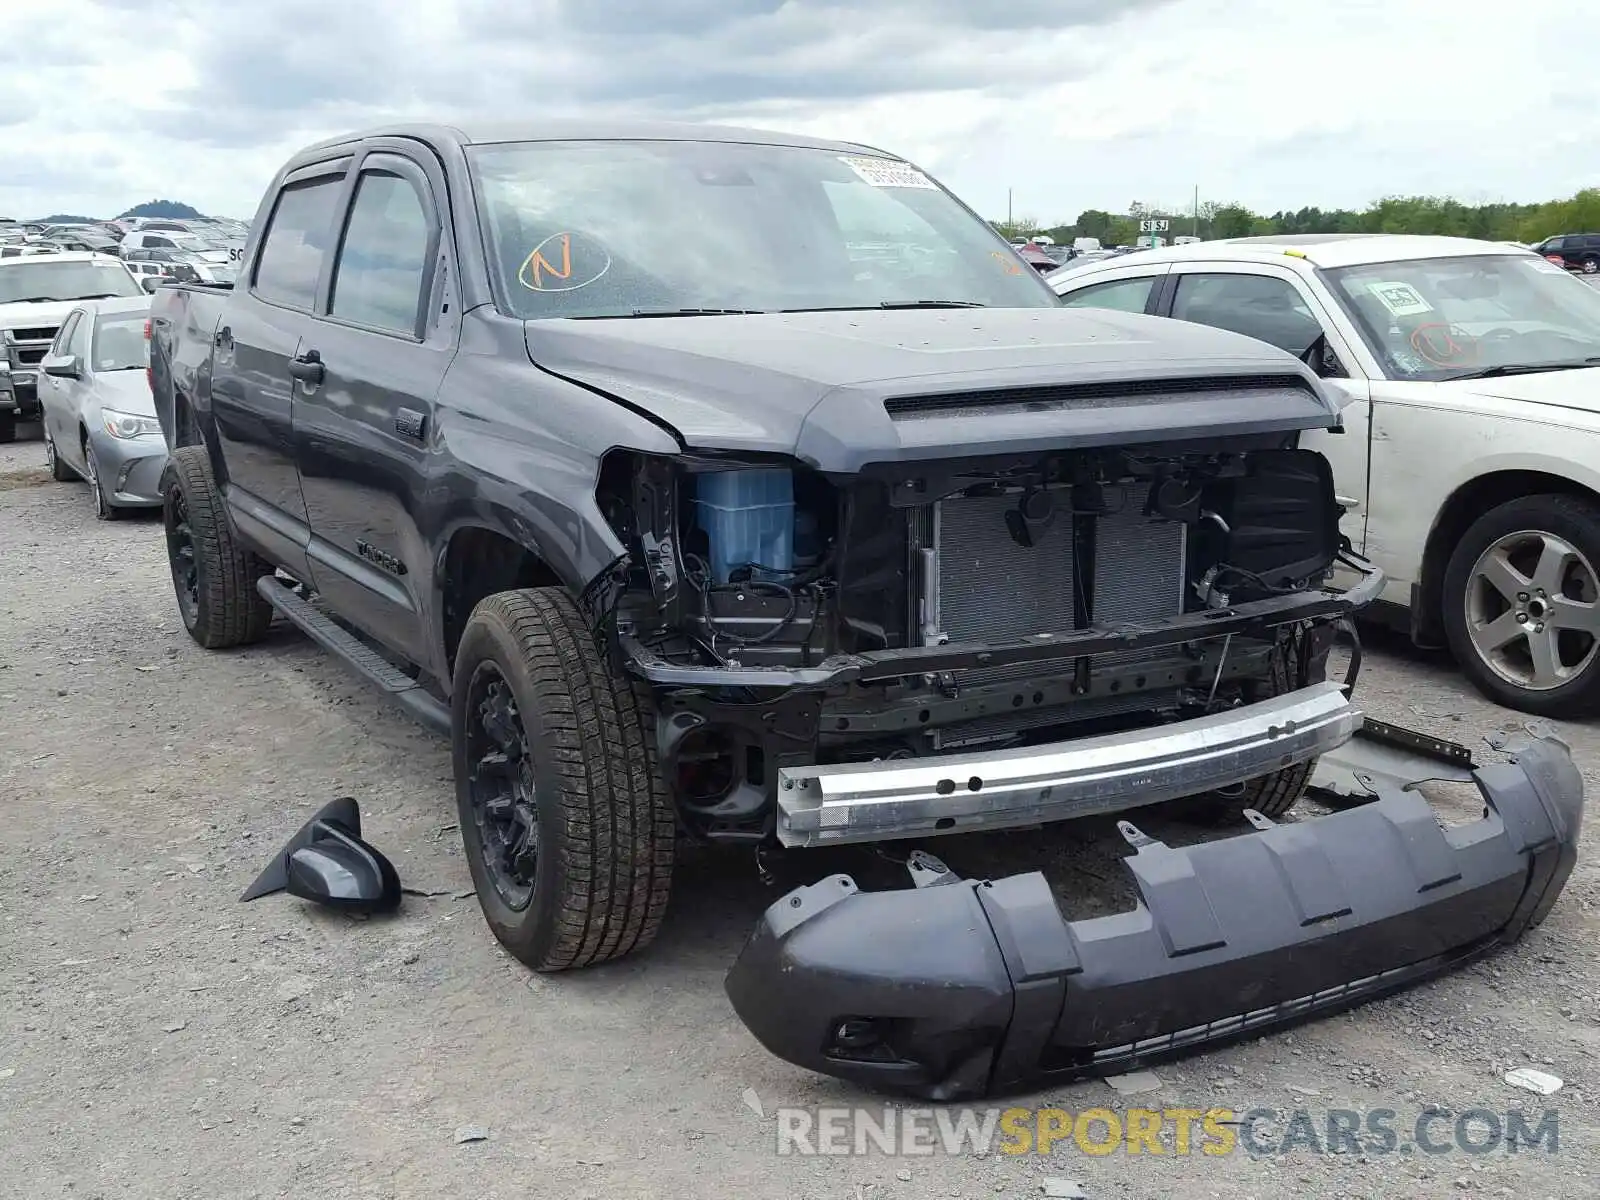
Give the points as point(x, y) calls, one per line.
point(1073, 104)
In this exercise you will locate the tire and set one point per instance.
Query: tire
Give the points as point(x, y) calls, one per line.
point(215, 581)
point(1270, 795)
point(1516, 675)
point(59, 471)
point(104, 510)
point(602, 819)
point(8, 428)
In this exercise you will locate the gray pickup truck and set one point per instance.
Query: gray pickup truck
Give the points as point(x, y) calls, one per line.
point(716, 484)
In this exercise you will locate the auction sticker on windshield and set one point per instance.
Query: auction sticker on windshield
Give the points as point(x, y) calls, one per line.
point(1401, 299)
point(881, 172)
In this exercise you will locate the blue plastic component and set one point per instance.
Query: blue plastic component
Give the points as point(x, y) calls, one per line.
point(748, 517)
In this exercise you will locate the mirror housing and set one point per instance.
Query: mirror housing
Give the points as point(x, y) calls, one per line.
point(328, 863)
point(150, 283)
point(65, 367)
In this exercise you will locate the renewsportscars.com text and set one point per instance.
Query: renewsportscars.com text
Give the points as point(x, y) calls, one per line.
point(1177, 1132)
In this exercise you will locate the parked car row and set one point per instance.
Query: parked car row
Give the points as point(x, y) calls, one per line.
point(1469, 465)
point(196, 251)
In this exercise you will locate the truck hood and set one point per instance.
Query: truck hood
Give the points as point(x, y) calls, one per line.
point(841, 390)
point(24, 316)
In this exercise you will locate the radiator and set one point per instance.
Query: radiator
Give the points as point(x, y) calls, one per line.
point(990, 588)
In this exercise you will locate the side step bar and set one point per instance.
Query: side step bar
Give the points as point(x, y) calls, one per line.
point(327, 633)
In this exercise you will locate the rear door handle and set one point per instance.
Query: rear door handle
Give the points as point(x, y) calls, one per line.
point(307, 367)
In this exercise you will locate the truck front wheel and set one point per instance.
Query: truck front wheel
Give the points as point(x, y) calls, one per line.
point(1276, 793)
point(214, 579)
point(567, 826)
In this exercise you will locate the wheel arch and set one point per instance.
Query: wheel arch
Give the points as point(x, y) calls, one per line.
point(1461, 508)
point(478, 558)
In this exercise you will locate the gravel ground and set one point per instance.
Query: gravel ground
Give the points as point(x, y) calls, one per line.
point(157, 1039)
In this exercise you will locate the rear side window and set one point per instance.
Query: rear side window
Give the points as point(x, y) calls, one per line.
point(1124, 295)
point(384, 258)
point(297, 238)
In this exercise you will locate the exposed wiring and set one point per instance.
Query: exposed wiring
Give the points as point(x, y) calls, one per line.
point(1250, 577)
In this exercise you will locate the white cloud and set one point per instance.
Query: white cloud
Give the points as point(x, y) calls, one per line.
point(1072, 103)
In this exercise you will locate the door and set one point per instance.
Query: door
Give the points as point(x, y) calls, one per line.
point(1278, 306)
point(260, 331)
point(364, 408)
point(58, 398)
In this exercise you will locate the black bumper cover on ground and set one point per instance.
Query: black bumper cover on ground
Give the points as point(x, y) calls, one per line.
point(964, 988)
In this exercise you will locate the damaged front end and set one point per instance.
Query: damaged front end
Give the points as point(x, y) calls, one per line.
point(958, 988)
point(976, 643)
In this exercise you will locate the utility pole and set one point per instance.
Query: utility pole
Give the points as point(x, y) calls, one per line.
point(1009, 221)
point(1196, 229)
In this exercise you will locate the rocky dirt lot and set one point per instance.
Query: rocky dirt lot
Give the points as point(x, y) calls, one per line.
point(158, 1039)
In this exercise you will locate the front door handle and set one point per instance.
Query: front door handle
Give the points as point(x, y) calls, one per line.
point(307, 367)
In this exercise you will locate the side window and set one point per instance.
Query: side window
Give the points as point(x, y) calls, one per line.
point(79, 344)
point(164, 243)
point(64, 334)
point(298, 233)
point(1259, 306)
point(1124, 295)
point(384, 257)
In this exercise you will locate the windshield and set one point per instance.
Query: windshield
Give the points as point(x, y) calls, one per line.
point(119, 343)
point(618, 228)
point(41, 279)
point(1451, 318)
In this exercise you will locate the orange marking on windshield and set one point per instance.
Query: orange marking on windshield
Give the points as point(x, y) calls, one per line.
point(1012, 267)
point(540, 266)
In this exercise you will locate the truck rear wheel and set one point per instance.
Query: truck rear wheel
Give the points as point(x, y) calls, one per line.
point(214, 579)
point(568, 828)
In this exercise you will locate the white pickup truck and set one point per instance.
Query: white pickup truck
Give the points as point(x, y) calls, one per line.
point(1470, 465)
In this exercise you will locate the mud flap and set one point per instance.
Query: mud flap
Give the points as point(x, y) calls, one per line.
point(956, 989)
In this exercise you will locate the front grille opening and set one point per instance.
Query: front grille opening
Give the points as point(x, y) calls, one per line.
point(1056, 398)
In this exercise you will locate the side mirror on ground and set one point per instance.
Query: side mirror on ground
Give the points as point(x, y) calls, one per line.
point(328, 863)
point(65, 367)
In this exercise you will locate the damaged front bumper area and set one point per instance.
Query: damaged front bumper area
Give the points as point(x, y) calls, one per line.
point(963, 793)
point(958, 988)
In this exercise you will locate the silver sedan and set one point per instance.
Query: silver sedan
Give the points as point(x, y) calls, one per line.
point(99, 417)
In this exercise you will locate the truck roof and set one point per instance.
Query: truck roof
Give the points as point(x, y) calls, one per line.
point(489, 132)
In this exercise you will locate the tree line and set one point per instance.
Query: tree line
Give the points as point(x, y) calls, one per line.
point(1394, 214)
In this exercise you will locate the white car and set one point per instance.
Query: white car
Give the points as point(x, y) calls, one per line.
point(1470, 462)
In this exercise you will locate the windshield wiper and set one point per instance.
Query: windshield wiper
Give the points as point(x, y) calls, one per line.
point(1528, 368)
point(34, 300)
point(104, 295)
point(892, 304)
point(678, 312)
